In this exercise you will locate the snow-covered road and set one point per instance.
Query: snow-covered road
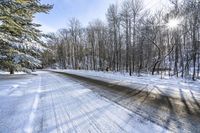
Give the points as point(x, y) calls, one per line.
point(49, 102)
point(178, 113)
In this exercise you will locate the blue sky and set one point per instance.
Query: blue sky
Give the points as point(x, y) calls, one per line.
point(84, 10)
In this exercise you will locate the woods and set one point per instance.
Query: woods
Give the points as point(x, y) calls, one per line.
point(135, 40)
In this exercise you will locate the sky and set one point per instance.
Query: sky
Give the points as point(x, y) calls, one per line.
point(84, 10)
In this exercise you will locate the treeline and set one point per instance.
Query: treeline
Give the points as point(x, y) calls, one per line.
point(133, 40)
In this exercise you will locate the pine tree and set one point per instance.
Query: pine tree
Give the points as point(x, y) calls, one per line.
point(20, 40)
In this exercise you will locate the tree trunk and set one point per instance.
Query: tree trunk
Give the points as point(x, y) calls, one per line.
point(176, 56)
point(11, 71)
point(154, 67)
point(194, 41)
point(130, 48)
point(127, 46)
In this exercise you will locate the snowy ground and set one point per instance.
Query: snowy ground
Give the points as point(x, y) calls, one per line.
point(7, 73)
point(169, 86)
point(49, 102)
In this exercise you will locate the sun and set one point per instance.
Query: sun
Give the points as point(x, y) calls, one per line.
point(173, 23)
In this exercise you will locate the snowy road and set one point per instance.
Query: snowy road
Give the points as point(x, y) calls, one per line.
point(178, 114)
point(49, 102)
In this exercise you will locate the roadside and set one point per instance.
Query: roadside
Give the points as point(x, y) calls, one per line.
point(169, 86)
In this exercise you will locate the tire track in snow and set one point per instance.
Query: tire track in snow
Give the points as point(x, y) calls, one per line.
point(55, 114)
point(12, 89)
point(96, 125)
point(29, 127)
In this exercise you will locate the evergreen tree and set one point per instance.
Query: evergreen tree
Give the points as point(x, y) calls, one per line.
point(20, 40)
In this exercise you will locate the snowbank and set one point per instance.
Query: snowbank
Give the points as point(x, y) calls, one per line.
point(174, 87)
point(7, 73)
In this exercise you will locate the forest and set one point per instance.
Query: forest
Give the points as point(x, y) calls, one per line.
point(132, 40)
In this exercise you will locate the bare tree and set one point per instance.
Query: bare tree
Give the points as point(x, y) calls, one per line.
point(135, 41)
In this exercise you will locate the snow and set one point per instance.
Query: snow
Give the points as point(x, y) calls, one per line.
point(3, 57)
point(29, 128)
point(169, 86)
point(15, 102)
point(29, 45)
point(26, 58)
point(8, 73)
point(51, 103)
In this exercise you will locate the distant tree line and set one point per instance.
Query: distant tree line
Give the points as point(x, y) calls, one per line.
point(133, 40)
